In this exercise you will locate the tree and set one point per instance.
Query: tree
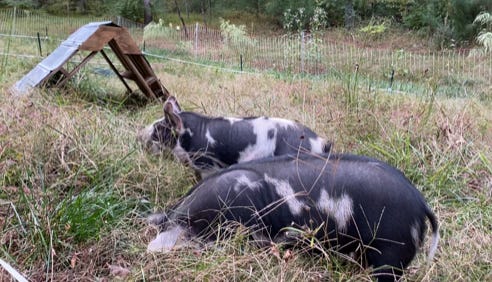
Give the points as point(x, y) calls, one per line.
point(181, 18)
point(203, 8)
point(147, 11)
point(23, 4)
point(349, 15)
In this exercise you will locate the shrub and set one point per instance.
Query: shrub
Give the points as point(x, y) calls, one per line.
point(484, 37)
point(374, 30)
point(235, 37)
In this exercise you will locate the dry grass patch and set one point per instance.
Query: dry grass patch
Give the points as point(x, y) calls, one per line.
point(76, 187)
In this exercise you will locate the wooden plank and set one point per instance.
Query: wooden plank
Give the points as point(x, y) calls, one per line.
point(76, 69)
point(116, 71)
point(118, 38)
point(126, 43)
point(129, 65)
point(104, 34)
point(100, 38)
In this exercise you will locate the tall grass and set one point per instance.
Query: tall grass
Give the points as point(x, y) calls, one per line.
point(76, 187)
point(459, 73)
point(6, 47)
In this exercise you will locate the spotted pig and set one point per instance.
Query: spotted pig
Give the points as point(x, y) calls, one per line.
point(359, 206)
point(211, 143)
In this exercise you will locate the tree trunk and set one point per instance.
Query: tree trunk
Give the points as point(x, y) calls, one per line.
point(349, 15)
point(204, 15)
point(181, 18)
point(147, 12)
point(82, 6)
point(187, 7)
point(210, 9)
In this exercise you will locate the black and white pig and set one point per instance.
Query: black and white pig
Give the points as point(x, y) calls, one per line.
point(361, 206)
point(211, 143)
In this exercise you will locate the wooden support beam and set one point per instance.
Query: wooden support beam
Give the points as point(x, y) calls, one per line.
point(77, 68)
point(116, 71)
point(128, 63)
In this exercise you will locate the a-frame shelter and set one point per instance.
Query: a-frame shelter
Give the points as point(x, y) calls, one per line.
point(93, 37)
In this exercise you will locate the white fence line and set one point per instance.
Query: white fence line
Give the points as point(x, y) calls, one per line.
point(300, 53)
point(304, 53)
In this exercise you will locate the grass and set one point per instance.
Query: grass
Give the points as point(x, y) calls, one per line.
point(457, 73)
point(76, 187)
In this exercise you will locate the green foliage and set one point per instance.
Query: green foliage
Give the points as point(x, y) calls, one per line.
point(223, 7)
point(335, 11)
point(231, 32)
point(461, 13)
point(389, 9)
point(84, 216)
point(447, 21)
point(484, 19)
point(74, 7)
point(431, 19)
point(351, 92)
point(23, 4)
point(235, 36)
point(374, 30)
point(295, 20)
point(426, 15)
point(75, 205)
point(130, 9)
point(319, 20)
point(484, 38)
point(159, 30)
point(298, 20)
point(302, 10)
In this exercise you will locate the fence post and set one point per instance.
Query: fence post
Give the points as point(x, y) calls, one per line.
point(196, 39)
point(391, 80)
point(490, 64)
point(13, 21)
point(39, 46)
point(302, 51)
point(241, 61)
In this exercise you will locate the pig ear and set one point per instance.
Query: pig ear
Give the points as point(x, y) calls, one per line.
point(172, 116)
point(175, 105)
